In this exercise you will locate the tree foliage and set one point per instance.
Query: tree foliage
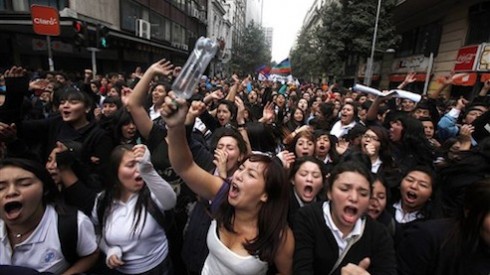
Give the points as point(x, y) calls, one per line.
point(303, 57)
point(252, 51)
point(345, 32)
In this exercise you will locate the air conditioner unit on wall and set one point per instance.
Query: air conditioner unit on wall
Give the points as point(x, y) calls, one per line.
point(143, 28)
point(195, 13)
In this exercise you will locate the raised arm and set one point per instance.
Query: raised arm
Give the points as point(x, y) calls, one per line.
point(174, 112)
point(136, 100)
point(233, 89)
point(409, 78)
point(159, 188)
point(241, 122)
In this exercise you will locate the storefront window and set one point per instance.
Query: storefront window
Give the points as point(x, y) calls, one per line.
point(479, 27)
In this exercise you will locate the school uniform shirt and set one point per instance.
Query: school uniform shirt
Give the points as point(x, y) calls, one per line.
point(147, 246)
point(153, 113)
point(42, 249)
point(340, 130)
point(140, 250)
point(316, 249)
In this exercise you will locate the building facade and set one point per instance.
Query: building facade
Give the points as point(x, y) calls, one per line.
point(269, 35)
point(220, 28)
point(138, 33)
point(440, 36)
point(254, 11)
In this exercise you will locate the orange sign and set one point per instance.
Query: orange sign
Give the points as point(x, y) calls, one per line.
point(484, 77)
point(45, 20)
point(465, 79)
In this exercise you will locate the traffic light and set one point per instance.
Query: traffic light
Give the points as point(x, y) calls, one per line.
point(102, 35)
point(80, 38)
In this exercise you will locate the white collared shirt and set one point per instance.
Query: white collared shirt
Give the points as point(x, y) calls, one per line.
point(154, 114)
point(375, 166)
point(339, 130)
point(42, 249)
point(141, 250)
point(341, 240)
point(403, 217)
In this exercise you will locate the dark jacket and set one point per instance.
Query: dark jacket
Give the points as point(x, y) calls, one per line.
point(317, 251)
point(430, 248)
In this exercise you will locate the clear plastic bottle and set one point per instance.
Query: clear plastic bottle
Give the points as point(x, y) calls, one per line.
point(204, 50)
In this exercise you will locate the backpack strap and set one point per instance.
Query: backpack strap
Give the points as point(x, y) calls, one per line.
point(164, 219)
point(68, 233)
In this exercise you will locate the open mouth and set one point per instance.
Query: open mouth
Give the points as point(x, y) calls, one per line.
point(351, 210)
point(308, 190)
point(350, 214)
point(411, 196)
point(234, 191)
point(12, 209)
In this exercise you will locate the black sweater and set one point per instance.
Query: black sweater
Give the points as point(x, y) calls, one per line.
point(317, 251)
point(432, 248)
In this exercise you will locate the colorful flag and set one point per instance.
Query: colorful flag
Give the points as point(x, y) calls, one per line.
point(264, 69)
point(283, 68)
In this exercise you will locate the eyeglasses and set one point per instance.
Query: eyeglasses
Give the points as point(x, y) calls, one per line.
point(366, 136)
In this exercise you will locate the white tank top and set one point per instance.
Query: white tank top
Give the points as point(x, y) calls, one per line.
point(222, 261)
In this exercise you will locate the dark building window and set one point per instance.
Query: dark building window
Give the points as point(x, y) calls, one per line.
point(160, 27)
point(421, 40)
point(479, 27)
point(130, 11)
point(59, 4)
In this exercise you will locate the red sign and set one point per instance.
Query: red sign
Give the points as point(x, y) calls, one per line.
point(484, 77)
point(466, 59)
point(45, 20)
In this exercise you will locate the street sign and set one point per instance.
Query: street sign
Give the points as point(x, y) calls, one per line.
point(45, 20)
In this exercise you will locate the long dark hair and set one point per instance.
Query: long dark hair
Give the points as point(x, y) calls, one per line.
point(292, 124)
point(426, 211)
point(477, 207)
point(464, 239)
point(413, 140)
point(385, 148)
point(113, 190)
point(272, 217)
point(122, 118)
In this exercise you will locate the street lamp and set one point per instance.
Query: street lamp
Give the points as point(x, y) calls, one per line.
point(369, 68)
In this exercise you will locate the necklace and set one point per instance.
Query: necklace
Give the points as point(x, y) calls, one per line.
point(20, 235)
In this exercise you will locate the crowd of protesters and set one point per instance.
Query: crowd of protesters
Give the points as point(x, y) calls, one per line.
point(108, 174)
